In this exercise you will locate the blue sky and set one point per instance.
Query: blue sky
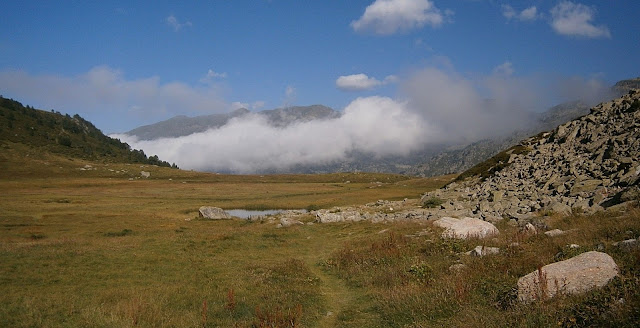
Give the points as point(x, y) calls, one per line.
point(122, 64)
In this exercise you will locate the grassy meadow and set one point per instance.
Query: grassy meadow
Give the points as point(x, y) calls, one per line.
point(85, 244)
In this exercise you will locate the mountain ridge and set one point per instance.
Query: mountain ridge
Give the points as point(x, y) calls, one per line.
point(182, 125)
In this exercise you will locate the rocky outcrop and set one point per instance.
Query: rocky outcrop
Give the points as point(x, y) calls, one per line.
point(465, 228)
point(573, 276)
point(584, 165)
point(213, 213)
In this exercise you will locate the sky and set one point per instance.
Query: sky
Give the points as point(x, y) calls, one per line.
point(123, 64)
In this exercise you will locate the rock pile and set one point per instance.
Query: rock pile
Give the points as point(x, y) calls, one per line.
point(586, 164)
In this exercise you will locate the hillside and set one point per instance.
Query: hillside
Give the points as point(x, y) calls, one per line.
point(66, 135)
point(460, 158)
point(584, 165)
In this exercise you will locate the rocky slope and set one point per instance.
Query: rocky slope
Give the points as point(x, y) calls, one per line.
point(585, 164)
point(459, 159)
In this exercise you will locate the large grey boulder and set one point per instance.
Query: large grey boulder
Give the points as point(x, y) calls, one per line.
point(213, 213)
point(465, 228)
point(576, 275)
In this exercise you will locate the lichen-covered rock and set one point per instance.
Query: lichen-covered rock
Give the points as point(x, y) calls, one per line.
point(576, 275)
point(465, 228)
point(213, 213)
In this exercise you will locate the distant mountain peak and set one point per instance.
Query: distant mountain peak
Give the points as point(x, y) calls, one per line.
point(183, 125)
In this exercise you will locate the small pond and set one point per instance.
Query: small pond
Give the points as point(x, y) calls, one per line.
point(245, 214)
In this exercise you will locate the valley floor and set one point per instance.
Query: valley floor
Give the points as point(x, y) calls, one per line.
point(85, 244)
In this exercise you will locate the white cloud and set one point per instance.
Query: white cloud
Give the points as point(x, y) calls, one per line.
point(385, 17)
point(211, 75)
point(505, 69)
point(377, 125)
point(528, 14)
point(251, 106)
point(575, 19)
point(104, 90)
point(361, 82)
point(175, 24)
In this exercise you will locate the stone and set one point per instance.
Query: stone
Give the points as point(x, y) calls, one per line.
point(555, 233)
point(576, 275)
point(457, 268)
point(481, 251)
point(559, 208)
point(145, 174)
point(213, 213)
point(530, 229)
point(287, 222)
point(627, 244)
point(585, 186)
point(465, 228)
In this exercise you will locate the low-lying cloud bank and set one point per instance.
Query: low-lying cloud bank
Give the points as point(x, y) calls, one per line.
point(435, 106)
point(377, 125)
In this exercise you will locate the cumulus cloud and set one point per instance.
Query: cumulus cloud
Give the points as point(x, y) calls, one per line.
point(575, 19)
point(528, 14)
point(175, 24)
point(104, 90)
point(361, 82)
point(377, 125)
point(385, 17)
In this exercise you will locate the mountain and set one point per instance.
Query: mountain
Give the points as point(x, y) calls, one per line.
point(584, 165)
point(71, 136)
point(459, 158)
point(182, 125)
point(623, 87)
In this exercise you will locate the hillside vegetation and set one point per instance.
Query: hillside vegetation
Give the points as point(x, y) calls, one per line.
point(67, 135)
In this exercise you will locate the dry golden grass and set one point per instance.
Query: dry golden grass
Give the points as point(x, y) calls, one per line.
point(91, 248)
point(87, 246)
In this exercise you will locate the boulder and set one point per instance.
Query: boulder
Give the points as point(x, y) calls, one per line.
point(560, 208)
point(555, 233)
point(465, 228)
point(481, 251)
point(287, 222)
point(213, 213)
point(573, 276)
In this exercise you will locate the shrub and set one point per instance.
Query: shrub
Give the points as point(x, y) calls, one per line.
point(432, 202)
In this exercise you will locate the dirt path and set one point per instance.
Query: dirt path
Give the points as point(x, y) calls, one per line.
point(344, 302)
